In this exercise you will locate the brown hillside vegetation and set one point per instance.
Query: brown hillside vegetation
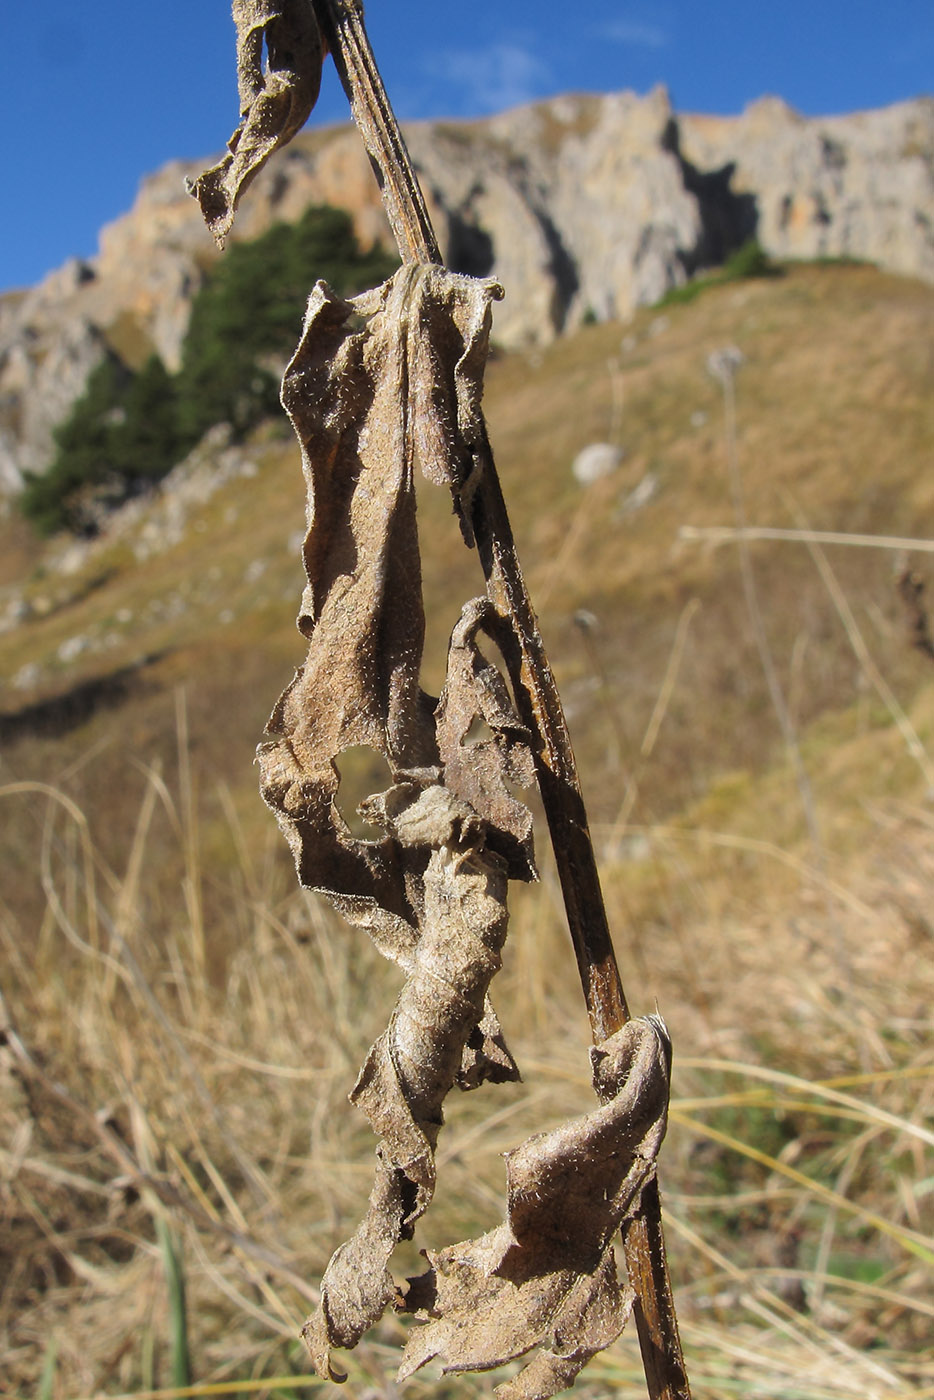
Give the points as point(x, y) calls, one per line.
point(755, 733)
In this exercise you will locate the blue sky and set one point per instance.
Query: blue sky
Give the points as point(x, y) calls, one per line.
point(95, 96)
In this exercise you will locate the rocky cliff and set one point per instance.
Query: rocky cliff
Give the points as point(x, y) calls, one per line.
point(581, 206)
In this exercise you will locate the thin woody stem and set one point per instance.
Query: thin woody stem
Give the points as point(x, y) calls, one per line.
point(654, 1307)
point(341, 23)
point(541, 711)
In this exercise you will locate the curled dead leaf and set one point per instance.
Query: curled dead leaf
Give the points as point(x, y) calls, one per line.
point(410, 1070)
point(363, 392)
point(547, 1277)
point(376, 384)
point(275, 101)
point(480, 772)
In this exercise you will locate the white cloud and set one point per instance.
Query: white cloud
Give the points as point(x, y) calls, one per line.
point(489, 79)
point(635, 34)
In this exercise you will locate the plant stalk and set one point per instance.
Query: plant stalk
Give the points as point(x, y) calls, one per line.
point(537, 699)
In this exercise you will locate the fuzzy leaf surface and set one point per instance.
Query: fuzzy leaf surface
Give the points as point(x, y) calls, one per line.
point(275, 100)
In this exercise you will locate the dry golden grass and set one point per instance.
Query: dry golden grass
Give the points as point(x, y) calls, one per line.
point(159, 965)
point(797, 1172)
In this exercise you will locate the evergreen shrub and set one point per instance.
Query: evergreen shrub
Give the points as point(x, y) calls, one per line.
point(128, 430)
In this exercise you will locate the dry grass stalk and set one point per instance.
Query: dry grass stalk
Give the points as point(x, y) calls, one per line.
point(288, 1014)
point(376, 383)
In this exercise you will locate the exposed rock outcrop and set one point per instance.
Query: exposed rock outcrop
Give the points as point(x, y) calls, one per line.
point(859, 186)
point(581, 205)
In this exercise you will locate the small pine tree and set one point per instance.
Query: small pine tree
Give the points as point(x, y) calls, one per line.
point(250, 311)
point(123, 432)
point(84, 459)
point(129, 429)
point(149, 441)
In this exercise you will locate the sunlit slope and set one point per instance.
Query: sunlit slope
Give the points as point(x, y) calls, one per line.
point(835, 427)
point(765, 850)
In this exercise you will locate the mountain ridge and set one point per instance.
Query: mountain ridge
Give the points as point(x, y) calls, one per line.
point(582, 206)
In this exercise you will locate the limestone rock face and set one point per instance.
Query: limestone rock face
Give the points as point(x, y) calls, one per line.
point(48, 347)
point(859, 186)
point(581, 206)
point(152, 262)
point(611, 190)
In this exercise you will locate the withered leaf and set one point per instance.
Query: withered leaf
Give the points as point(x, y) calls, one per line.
point(275, 102)
point(376, 383)
point(479, 771)
point(365, 397)
point(547, 1276)
point(412, 1067)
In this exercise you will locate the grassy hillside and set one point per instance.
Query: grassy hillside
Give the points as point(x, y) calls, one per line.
point(756, 742)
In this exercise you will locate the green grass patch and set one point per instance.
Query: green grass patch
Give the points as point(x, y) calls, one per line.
point(748, 261)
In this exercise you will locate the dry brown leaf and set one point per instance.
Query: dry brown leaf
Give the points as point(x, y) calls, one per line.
point(414, 1064)
point(275, 101)
point(478, 770)
point(365, 397)
point(376, 383)
point(547, 1277)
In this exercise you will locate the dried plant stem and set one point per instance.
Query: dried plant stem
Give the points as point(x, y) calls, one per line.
point(341, 24)
point(726, 534)
point(540, 708)
point(654, 1310)
point(537, 699)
